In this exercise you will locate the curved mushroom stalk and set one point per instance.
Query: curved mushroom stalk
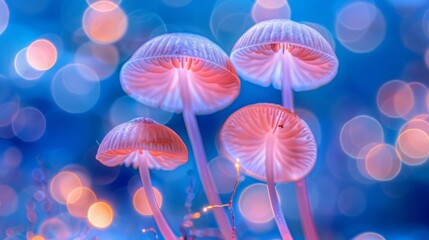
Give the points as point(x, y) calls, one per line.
point(275, 204)
point(157, 214)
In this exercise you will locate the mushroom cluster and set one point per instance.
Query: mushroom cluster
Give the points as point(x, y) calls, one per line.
point(189, 74)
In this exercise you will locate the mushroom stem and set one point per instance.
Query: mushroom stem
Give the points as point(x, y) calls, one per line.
point(205, 175)
point(301, 185)
point(305, 210)
point(286, 85)
point(200, 157)
point(157, 214)
point(275, 204)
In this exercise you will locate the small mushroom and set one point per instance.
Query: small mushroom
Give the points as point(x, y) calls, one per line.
point(145, 144)
point(273, 145)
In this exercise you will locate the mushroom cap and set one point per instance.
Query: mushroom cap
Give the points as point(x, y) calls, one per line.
point(279, 47)
point(245, 135)
point(159, 70)
point(142, 137)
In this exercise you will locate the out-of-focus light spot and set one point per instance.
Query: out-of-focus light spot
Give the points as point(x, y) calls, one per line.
point(8, 201)
point(143, 25)
point(90, 2)
point(254, 204)
point(104, 22)
point(271, 3)
point(395, 99)
point(9, 110)
point(420, 92)
point(24, 69)
point(12, 157)
point(79, 201)
point(141, 204)
point(75, 88)
point(351, 202)
point(359, 132)
point(223, 173)
point(360, 27)
point(412, 144)
point(39, 196)
point(41, 54)
point(176, 3)
point(420, 122)
point(324, 31)
point(54, 228)
point(63, 184)
point(4, 16)
point(80, 171)
point(276, 9)
point(382, 163)
point(229, 20)
point(126, 108)
point(29, 125)
point(369, 236)
point(100, 215)
point(312, 121)
point(38, 237)
point(102, 59)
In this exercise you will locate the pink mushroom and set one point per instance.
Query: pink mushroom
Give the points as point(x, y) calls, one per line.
point(289, 55)
point(273, 145)
point(145, 144)
point(190, 74)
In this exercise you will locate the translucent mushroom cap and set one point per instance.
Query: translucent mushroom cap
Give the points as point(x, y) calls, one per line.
point(125, 144)
point(278, 48)
point(173, 68)
point(245, 135)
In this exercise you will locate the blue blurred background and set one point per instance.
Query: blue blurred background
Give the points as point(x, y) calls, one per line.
point(53, 120)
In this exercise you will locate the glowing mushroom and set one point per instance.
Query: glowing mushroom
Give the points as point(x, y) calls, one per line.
point(289, 55)
point(145, 144)
point(273, 145)
point(190, 74)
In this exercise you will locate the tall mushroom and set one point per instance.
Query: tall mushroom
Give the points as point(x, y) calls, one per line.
point(273, 145)
point(145, 144)
point(289, 55)
point(190, 74)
